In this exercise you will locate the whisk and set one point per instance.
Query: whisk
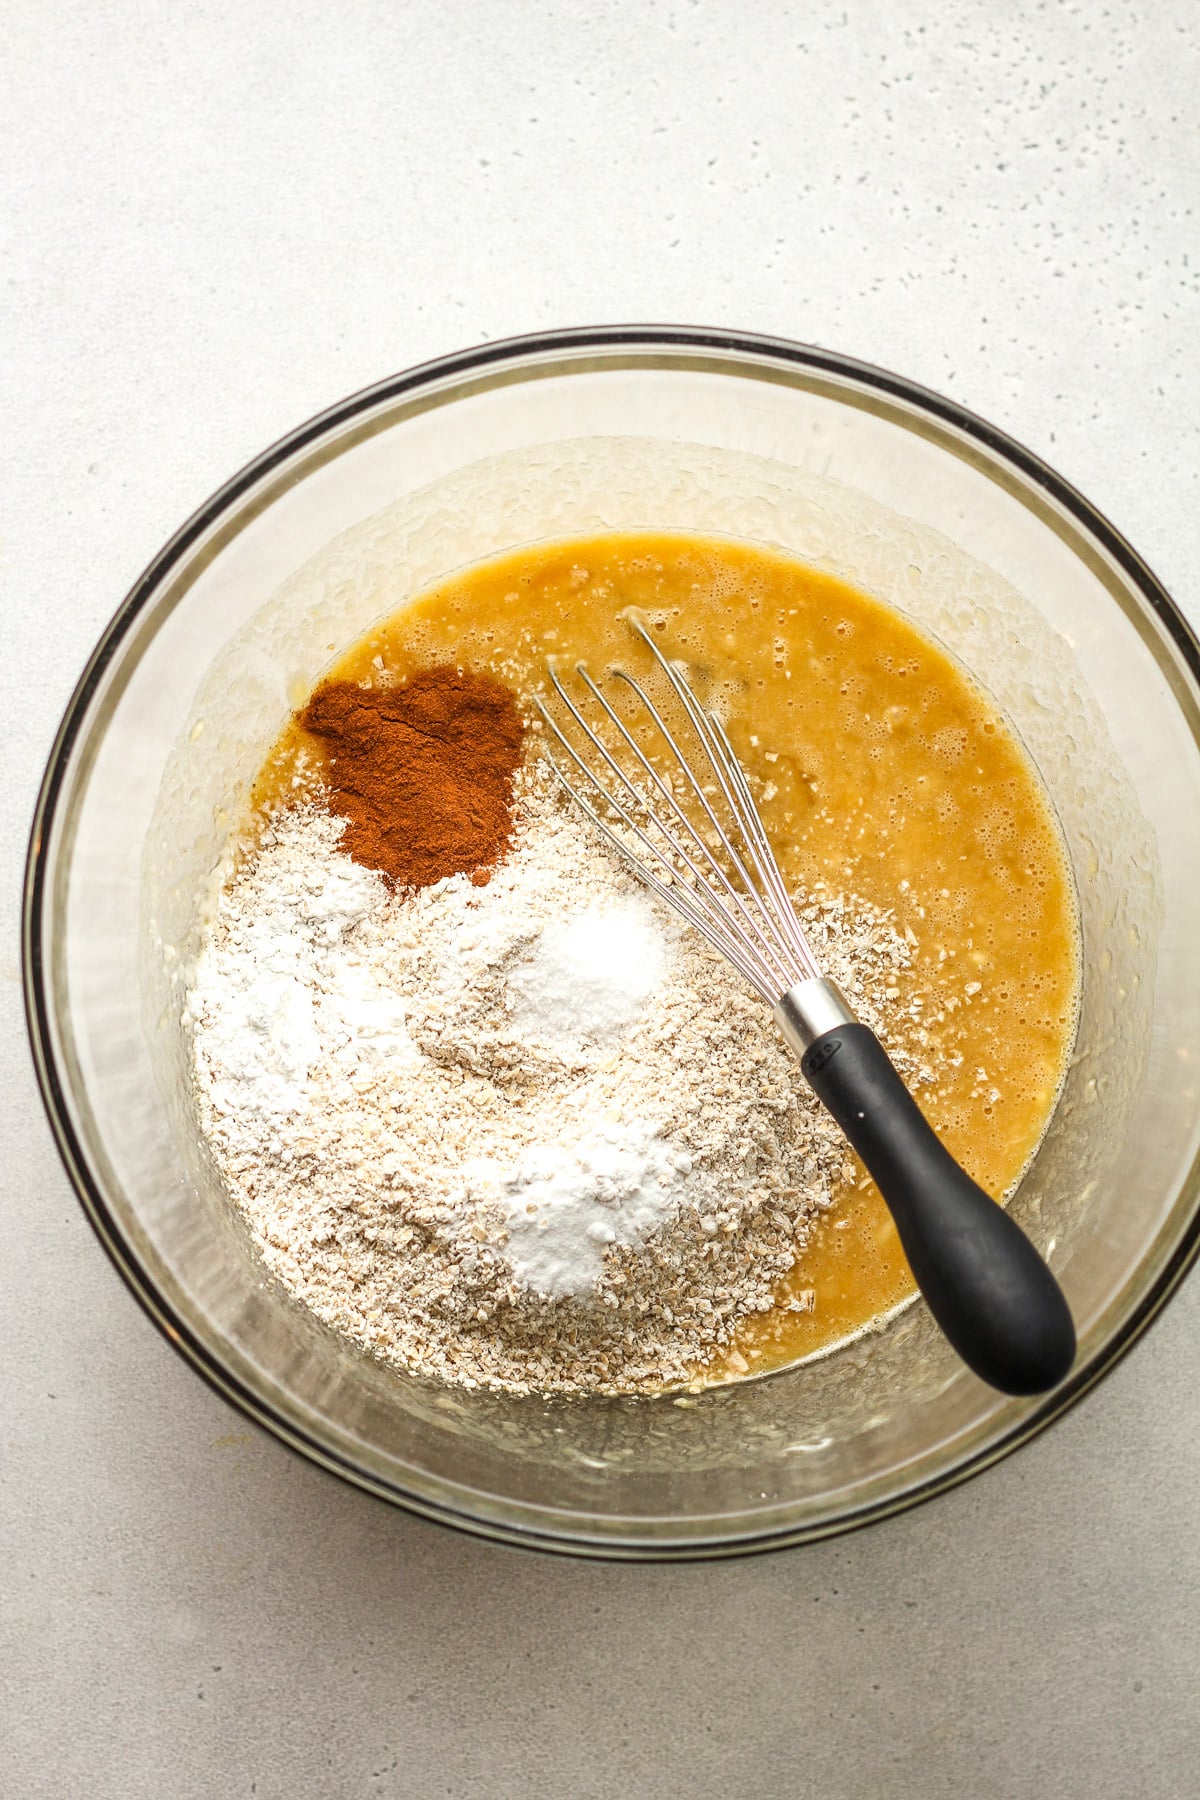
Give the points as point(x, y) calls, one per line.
point(691, 830)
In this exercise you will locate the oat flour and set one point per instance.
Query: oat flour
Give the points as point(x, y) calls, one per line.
point(532, 1135)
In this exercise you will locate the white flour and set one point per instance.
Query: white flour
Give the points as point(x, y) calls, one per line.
point(276, 993)
point(528, 1135)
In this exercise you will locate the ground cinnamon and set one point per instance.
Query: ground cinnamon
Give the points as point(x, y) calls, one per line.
point(423, 773)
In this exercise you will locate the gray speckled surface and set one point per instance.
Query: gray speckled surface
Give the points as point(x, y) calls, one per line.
point(218, 219)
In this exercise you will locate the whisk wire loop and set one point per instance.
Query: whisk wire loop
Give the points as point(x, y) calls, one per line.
point(774, 953)
point(760, 848)
point(742, 809)
point(700, 905)
point(676, 896)
point(748, 918)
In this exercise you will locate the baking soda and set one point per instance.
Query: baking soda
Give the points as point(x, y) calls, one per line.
point(590, 975)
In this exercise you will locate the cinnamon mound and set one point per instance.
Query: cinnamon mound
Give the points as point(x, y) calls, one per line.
point(422, 774)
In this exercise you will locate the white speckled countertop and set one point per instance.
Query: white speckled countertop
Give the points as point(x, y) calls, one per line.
point(215, 220)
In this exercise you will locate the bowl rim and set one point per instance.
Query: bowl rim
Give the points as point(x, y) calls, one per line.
point(496, 356)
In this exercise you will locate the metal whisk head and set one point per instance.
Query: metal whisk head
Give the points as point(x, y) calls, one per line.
point(694, 837)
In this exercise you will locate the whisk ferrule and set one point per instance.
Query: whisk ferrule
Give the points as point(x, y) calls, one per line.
point(810, 1009)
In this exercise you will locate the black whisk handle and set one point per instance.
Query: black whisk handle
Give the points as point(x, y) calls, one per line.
point(985, 1284)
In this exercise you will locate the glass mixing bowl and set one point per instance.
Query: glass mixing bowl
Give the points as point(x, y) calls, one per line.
point(850, 469)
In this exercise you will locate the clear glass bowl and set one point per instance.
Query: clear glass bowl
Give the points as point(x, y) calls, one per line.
point(847, 467)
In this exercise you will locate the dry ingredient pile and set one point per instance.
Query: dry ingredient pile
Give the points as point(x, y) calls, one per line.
point(513, 1125)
